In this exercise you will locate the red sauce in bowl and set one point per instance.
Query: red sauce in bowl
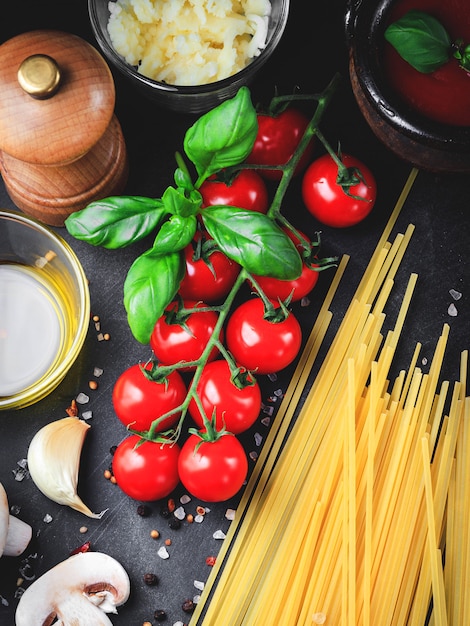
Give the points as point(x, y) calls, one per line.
point(443, 95)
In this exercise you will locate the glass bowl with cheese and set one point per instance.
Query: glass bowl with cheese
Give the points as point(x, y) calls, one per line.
point(188, 55)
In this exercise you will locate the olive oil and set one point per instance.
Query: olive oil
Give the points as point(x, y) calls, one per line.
point(31, 327)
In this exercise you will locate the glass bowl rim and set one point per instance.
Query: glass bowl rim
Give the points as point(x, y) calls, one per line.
point(36, 392)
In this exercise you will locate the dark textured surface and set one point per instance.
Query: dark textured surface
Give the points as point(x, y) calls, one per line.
point(311, 52)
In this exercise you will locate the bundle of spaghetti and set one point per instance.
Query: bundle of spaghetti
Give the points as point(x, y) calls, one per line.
point(348, 516)
point(287, 522)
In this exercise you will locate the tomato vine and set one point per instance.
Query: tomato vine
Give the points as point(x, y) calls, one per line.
point(219, 140)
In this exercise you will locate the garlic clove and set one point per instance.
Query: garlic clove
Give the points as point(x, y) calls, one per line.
point(15, 534)
point(18, 537)
point(54, 461)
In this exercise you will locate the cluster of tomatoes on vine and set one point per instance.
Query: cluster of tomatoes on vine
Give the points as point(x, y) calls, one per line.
point(223, 357)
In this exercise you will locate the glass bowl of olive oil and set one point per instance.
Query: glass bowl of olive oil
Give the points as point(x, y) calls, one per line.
point(44, 309)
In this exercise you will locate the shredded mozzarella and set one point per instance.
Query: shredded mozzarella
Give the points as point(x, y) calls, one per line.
point(188, 42)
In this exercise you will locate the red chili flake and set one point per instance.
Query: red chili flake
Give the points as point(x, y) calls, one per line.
point(171, 505)
point(210, 560)
point(72, 410)
point(85, 547)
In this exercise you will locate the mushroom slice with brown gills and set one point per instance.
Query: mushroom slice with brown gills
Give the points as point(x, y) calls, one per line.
point(76, 592)
point(15, 534)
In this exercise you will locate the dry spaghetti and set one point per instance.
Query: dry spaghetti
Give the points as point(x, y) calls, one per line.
point(344, 520)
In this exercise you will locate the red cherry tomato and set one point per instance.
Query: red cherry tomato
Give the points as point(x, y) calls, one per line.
point(328, 202)
point(176, 342)
point(148, 471)
point(247, 190)
point(213, 471)
point(260, 345)
point(298, 288)
point(277, 139)
point(235, 408)
point(138, 400)
point(209, 273)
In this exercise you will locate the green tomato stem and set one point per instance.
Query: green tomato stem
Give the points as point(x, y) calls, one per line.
point(214, 341)
point(312, 129)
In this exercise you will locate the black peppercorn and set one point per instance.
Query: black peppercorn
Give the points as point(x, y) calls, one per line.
point(160, 615)
point(188, 606)
point(143, 510)
point(174, 523)
point(151, 579)
point(165, 512)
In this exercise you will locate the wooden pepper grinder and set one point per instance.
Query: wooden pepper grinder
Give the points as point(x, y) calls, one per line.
point(61, 145)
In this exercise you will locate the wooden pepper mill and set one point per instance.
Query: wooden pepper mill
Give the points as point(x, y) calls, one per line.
point(61, 145)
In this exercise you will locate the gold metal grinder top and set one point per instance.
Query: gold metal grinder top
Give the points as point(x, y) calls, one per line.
point(39, 76)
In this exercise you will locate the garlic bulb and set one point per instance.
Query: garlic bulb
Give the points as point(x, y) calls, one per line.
point(54, 459)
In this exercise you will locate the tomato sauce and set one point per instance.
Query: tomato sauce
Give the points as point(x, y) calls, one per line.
point(443, 95)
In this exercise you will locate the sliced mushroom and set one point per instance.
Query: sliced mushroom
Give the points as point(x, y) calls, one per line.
point(15, 534)
point(78, 591)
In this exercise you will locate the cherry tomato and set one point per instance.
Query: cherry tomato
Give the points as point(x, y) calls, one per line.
point(176, 342)
point(260, 345)
point(298, 288)
point(138, 400)
point(148, 471)
point(209, 273)
point(247, 190)
point(213, 471)
point(328, 202)
point(235, 408)
point(278, 137)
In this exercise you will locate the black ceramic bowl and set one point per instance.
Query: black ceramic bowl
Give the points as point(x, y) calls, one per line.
point(424, 143)
point(187, 99)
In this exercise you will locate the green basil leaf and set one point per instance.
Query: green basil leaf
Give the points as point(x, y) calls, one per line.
point(222, 137)
point(151, 284)
point(183, 179)
point(117, 221)
point(421, 40)
point(175, 234)
point(254, 241)
point(180, 202)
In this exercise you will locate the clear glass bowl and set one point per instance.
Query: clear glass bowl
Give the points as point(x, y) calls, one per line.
point(187, 99)
point(44, 310)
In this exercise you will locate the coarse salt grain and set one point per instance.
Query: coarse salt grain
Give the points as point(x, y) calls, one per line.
point(163, 553)
point(452, 310)
point(185, 499)
point(219, 534)
point(199, 585)
point(180, 513)
point(230, 514)
point(82, 398)
point(456, 295)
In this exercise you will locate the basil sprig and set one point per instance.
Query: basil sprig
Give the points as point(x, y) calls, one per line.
point(221, 138)
point(423, 42)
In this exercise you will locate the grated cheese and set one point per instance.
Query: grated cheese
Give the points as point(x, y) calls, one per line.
point(188, 42)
